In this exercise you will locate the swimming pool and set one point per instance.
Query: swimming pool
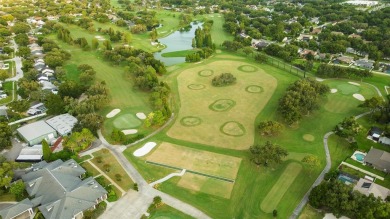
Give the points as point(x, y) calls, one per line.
point(359, 157)
point(345, 179)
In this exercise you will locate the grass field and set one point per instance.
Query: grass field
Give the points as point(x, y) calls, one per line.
point(224, 115)
point(181, 53)
point(277, 192)
point(167, 212)
point(310, 213)
point(8, 88)
point(126, 183)
point(196, 160)
point(206, 185)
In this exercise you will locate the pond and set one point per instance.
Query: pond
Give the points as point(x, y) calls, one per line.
point(177, 41)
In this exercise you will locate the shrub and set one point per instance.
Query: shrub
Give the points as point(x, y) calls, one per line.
point(223, 79)
point(99, 159)
point(135, 186)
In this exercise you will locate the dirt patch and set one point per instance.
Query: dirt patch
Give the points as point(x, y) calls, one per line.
point(308, 137)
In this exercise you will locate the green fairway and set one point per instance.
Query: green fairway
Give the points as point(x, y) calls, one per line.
point(181, 53)
point(218, 34)
point(274, 196)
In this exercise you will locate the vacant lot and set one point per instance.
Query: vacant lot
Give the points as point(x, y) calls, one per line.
point(221, 116)
point(196, 160)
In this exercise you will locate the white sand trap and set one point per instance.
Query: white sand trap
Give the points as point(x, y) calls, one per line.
point(354, 83)
point(129, 131)
point(333, 90)
point(113, 113)
point(145, 149)
point(141, 116)
point(320, 79)
point(359, 97)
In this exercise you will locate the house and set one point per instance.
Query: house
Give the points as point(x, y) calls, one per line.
point(316, 30)
point(384, 140)
point(354, 36)
point(375, 133)
point(304, 37)
point(344, 59)
point(19, 210)
point(364, 63)
point(34, 133)
point(63, 124)
point(305, 52)
point(260, 44)
point(378, 159)
point(47, 85)
point(36, 109)
point(48, 72)
point(337, 33)
point(368, 187)
point(30, 154)
point(59, 191)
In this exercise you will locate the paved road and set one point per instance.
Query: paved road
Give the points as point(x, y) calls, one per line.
point(135, 204)
point(181, 173)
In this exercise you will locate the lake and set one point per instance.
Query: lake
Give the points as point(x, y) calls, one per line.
point(176, 41)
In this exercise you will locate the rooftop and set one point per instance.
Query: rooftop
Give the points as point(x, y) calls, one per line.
point(34, 130)
point(62, 123)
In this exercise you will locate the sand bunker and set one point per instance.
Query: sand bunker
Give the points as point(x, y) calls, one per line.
point(145, 149)
point(320, 79)
point(333, 90)
point(129, 131)
point(353, 83)
point(141, 116)
point(359, 97)
point(113, 113)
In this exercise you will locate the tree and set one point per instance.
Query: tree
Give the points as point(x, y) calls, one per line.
point(153, 34)
point(261, 58)
point(107, 45)
point(275, 213)
point(270, 128)
point(46, 150)
point(54, 104)
point(95, 43)
point(107, 167)
point(373, 103)
point(18, 189)
point(311, 161)
point(3, 74)
point(6, 172)
point(267, 154)
point(24, 51)
point(348, 128)
point(5, 136)
point(79, 141)
point(247, 50)
point(223, 79)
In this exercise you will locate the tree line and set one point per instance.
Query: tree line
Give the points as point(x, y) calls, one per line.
point(332, 71)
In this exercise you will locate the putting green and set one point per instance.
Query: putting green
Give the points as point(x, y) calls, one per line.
point(206, 73)
point(271, 201)
point(126, 121)
point(190, 121)
point(196, 86)
point(308, 137)
point(216, 106)
point(233, 128)
point(254, 89)
point(247, 68)
point(348, 89)
point(222, 105)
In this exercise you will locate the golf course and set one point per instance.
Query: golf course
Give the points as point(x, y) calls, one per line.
point(212, 127)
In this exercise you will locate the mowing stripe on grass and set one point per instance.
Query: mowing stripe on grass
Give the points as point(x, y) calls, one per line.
point(191, 171)
point(274, 196)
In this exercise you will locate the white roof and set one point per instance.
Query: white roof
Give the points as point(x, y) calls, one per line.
point(63, 123)
point(34, 130)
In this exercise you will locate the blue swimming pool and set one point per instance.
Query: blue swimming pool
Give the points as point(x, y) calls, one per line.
point(359, 157)
point(345, 179)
